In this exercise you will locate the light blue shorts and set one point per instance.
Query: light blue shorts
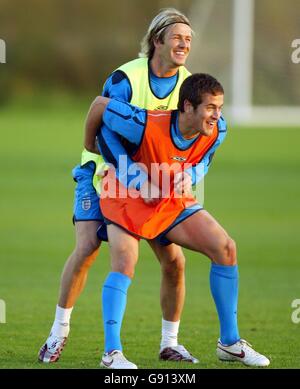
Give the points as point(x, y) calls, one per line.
point(86, 201)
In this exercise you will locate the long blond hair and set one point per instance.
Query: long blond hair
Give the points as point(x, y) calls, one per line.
point(158, 28)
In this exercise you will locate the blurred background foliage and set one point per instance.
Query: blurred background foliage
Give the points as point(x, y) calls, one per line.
point(69, 45)
point(72, 45)
point(59, 53)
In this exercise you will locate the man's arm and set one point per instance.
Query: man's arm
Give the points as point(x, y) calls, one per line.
point(93, 122)
point(117, 87)
point(128, 121)
point(124, 119)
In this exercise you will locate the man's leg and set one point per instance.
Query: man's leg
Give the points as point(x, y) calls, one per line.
point(172, 295)
point(75, 272)
point(124, 256)
point(87, 216)
point(201, 232)
point(73, 280)
point(172, 289)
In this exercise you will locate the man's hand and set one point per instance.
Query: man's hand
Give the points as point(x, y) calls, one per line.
point(102, 170)
point(150, 193)
point(183, 184)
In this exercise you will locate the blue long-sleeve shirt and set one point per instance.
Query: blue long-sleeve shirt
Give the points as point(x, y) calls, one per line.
point(129, 122)
point(118, 87)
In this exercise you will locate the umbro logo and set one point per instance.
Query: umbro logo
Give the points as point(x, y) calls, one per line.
point(161, 108)
point(179, 159)
point(111, 322)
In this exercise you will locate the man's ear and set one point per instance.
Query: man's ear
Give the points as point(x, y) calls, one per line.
point(188, 108)
point(156, 42)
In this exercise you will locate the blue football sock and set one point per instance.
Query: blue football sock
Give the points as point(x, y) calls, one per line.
point(224, 289)
point(114, 298)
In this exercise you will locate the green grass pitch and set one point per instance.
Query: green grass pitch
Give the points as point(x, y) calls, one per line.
point(253, 189)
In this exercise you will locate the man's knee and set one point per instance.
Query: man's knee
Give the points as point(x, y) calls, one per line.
point(124, 261)
point(173, 267)
point(227, 252)
point(87, 247)
point(86, 251)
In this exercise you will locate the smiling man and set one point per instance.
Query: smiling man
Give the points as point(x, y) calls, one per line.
point(192, 133)
point(152, 82)
point(171, 51)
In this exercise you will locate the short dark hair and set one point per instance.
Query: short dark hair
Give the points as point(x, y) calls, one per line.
point(195, 86)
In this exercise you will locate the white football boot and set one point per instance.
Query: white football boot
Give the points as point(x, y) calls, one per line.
point(52, 349)
point(241, 351)
point(116, 360)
